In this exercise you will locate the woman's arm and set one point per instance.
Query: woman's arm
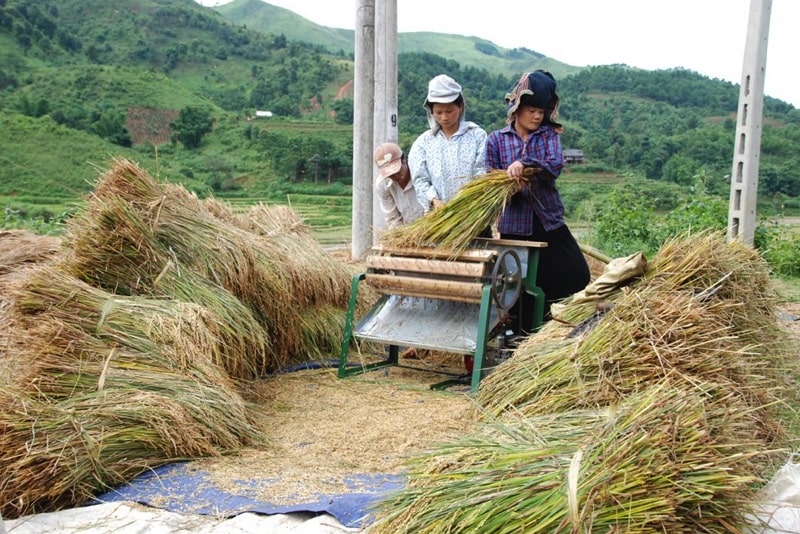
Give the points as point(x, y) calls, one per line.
point(417, 164)
point(545, 152)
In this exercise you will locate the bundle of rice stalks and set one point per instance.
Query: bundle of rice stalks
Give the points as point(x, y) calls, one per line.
point(660, 328)
point(705, 264)
point(280, 231)
point(110, 386)
point(663, 460)
point(138, 237)
point(119, 259)
point(21, 247)
point(260, 219)
point(712, 268)
point(60, 454)
point(171, 334)
point(475, 207)
point(637, 343)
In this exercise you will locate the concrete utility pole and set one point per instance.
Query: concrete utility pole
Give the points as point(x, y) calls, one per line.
point(385, 109)
point(363, 92)
point(747, 145)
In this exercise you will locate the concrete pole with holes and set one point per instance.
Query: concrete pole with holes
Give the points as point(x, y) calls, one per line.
point(385, 108)
point(363, 98)
point(749, 122)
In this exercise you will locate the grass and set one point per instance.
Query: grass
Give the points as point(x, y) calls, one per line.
point(788, 289)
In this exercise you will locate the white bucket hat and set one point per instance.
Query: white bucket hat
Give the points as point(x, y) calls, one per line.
point(442, 90)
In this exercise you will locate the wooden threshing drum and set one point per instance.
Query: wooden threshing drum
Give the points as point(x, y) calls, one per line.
point(429, 273)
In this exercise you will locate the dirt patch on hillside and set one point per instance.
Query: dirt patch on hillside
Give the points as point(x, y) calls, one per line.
point(345, 90)
point(148, 125)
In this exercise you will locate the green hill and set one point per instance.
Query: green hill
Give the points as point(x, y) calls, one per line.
point(267, 18)
point(89, 79)
point(468, 51)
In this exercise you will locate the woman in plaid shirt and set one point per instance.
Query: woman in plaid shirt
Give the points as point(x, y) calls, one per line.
point(532, 140)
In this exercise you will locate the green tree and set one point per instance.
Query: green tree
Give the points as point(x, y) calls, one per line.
point(343, 109)
point(111, 125)
point(190, 127)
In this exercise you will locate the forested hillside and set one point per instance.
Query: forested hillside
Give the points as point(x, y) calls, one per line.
point(466, 50)
point(175, 86)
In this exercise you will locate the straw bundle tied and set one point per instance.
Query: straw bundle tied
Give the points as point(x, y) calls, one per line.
point(260, 219)
point(143, 267)
point(656, 462)
point(173, 334)
point(281, 230)
point(637, 343)
point(713, 323)
point(142, 238)
point(60, 454)
point(21, 247)
point(111, 386)
point(692, 358)
point(474, 208)
point(127, 347)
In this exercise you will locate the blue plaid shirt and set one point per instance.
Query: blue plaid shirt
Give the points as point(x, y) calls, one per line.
point(543, 149)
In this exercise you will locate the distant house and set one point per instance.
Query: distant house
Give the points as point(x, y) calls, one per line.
point(260, 113)
point(573, 155)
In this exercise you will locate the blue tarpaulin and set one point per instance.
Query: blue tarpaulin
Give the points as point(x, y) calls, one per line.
point(181, 488)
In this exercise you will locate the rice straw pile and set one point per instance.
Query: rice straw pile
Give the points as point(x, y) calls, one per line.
point(105, 387)
point(703, 308)
point(663, 417)
point(474, 208)
point(131, 343)
point(21, 247)
point(656, 462)
point(139, 237)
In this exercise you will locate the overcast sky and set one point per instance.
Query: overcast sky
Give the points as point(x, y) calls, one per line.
point(706, 36)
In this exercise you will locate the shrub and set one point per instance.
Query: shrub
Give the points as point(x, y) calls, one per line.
point(625, 223)
point(18, 219)
point(699, 213)
point(779, 247)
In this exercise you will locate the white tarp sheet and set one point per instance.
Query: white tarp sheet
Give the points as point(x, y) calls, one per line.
point(132, 518)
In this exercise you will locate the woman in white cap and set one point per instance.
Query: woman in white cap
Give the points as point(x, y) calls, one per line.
point(532, 139)
point(451, 152)
point(394, 188)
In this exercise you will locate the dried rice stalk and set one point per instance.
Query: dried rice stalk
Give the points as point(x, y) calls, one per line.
point(708, 317)
point(20, 247)
point(659, 418)
point(111, 386)
point(476, 206)
point(138, 237)
point(174, 334)
point(663, 460)
point(59, 454)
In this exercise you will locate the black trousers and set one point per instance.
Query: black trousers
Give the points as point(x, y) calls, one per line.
point(562, 271)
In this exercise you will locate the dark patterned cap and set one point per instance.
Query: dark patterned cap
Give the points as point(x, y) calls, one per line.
point(537, 89)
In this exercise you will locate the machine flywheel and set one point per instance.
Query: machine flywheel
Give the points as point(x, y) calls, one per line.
point(506, 280)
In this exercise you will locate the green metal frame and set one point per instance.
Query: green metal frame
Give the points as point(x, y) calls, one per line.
point(393, 357)
point(530, 287)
